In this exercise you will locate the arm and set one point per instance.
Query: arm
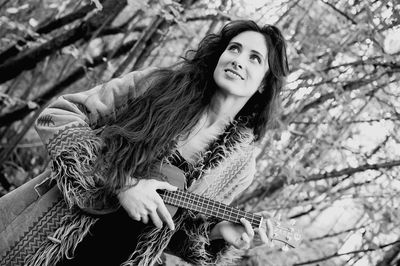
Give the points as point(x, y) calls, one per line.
point(67, 128)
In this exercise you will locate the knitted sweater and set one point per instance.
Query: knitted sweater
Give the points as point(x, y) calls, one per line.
point(68, 129)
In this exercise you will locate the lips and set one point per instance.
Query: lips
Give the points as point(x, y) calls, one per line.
point(234, 72)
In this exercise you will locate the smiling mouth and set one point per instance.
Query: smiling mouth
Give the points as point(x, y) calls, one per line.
point(234, 73)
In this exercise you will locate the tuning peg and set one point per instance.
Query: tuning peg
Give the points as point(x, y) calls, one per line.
point(297, 236)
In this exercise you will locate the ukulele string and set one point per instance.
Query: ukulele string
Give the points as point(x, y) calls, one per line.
point(197, 200)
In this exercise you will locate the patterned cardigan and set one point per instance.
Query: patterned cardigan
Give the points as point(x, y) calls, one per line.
point(68, 129)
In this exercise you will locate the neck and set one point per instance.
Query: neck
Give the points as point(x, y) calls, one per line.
point(223, 109)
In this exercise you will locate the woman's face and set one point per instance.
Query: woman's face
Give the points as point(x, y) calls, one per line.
point(242, 65)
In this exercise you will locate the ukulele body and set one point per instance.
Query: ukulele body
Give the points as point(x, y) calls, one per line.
point(175, 177)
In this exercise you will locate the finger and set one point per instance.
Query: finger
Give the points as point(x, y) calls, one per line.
point(145, 219)
point(247, 227)
point(270, 229)
point(240, 242)
point(166, 216)
point(263, 236)
point(134, 216)
point(156, 220)
point(266, 214)
point(246, 241)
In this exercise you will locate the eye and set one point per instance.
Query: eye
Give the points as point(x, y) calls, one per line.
point(256, 58)
point(234, 48)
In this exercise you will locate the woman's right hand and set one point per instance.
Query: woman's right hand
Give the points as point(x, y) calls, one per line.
point(142, 201)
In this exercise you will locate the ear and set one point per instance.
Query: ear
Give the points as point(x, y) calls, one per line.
point(260, 89)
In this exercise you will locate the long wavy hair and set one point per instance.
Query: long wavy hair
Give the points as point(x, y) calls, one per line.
point(176, 97)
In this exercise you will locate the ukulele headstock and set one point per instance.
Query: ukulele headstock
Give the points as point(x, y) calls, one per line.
point(286, 233)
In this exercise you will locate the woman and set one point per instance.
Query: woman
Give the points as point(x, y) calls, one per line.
point(202, 115)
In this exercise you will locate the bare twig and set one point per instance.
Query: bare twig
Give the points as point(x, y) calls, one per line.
point(340, 12)
point(349, 171)
point(336, 254)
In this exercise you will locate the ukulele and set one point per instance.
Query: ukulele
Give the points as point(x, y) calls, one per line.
point(284, 232)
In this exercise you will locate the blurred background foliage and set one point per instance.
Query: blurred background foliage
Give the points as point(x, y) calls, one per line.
point(331, 160)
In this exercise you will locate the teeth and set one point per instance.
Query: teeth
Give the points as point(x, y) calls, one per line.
point(234, 74)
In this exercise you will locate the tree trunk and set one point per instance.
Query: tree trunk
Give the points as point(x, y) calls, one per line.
point(57, 88)
point(30, 58)
point(140, 45)
point(46, 28)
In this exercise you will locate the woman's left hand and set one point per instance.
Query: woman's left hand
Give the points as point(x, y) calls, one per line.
point(243, 236)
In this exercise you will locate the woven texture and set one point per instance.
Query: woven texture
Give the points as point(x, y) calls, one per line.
point(65, 138)
point(31, 228)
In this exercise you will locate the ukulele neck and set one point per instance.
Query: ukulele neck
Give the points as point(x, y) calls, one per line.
point(187, 200)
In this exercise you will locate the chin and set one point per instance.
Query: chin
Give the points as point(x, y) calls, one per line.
point(225, 85)
point(231, 90)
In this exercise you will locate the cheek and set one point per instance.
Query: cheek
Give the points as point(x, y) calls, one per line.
point(219, 68)
point(224, 58)
point(258, 76)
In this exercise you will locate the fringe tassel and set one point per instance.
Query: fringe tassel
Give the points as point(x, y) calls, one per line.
point(235, 135)
point(151, 245)
point(73, 171)
point(63, 243)
point(198, 228)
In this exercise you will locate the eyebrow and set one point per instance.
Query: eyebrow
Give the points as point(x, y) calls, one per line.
point(253, 51)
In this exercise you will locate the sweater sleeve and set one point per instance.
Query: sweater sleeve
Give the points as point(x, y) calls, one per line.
point(68, 129)
point(191, 242)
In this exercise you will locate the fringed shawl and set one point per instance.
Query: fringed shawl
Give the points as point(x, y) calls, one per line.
point(67, 126)
point(225, 170)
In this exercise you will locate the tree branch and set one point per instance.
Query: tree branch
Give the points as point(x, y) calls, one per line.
point(340, 12)
point(46, 28)
point(352, 85)
point(219, 16)
point(348, 171)
point(337, 233)
point(75, 75)
point(139, 46)
point(29, 59)
point(58, 23)
point(389, 256)
point(336, 254)
point(279, 181)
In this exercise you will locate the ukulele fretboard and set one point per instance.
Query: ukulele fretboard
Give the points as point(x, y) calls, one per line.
point(191, 201)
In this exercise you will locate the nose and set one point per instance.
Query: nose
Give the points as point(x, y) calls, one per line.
point(236, 64)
